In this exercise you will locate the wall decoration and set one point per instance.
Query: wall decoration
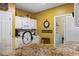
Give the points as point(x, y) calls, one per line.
point(4, 6)
point(46, 23)
point(45, 40)
point(47, 31)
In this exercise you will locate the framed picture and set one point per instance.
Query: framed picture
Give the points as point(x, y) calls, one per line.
point(46, 23)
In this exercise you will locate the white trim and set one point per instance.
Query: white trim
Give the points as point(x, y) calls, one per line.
point(54, 30)
point(5, 12)
point(55, 26)
point(76, 14)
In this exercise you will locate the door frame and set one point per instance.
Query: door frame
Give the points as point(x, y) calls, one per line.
point(55, 26)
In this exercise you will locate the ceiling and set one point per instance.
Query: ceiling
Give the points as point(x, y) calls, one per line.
point(36, 7)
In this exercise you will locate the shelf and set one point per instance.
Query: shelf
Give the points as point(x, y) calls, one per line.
point(25, 29)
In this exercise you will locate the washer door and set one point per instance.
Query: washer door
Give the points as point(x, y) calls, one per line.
point(27, 37)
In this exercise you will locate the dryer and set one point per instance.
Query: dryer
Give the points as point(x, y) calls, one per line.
point(26, 37)
point(30, 37)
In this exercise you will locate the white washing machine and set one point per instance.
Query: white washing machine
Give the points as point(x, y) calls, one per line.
point(29, 37)
point(26, 37)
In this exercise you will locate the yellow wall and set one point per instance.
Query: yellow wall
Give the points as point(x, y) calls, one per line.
point(11, 8)
point(20, 12)
point(49, 15)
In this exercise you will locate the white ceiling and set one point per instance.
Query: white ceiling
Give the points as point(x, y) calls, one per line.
point(36, 7)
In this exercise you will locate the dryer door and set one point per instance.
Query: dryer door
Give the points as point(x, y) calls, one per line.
point(27, 37)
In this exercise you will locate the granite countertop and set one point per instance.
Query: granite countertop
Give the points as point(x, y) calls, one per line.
point(42, 50)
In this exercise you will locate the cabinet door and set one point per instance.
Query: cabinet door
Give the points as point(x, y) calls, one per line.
point(18, 22)
point(26, 23)
point(33, 24)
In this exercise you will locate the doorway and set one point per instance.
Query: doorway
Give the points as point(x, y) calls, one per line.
point(60, 29)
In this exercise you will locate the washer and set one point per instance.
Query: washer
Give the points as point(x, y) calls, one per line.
point(27, 37)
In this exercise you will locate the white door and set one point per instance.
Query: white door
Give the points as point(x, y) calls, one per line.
point(69, 24)
point(71, 31)
point(5, 31)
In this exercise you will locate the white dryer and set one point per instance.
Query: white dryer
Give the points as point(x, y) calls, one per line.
point(27, 37)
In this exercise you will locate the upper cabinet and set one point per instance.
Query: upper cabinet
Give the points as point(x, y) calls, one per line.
point(33, 24)
point(25, 23)
point(18, 22)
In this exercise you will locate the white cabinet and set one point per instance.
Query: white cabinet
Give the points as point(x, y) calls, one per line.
point(18, 22)
point(25, 23)
point(33, 24)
